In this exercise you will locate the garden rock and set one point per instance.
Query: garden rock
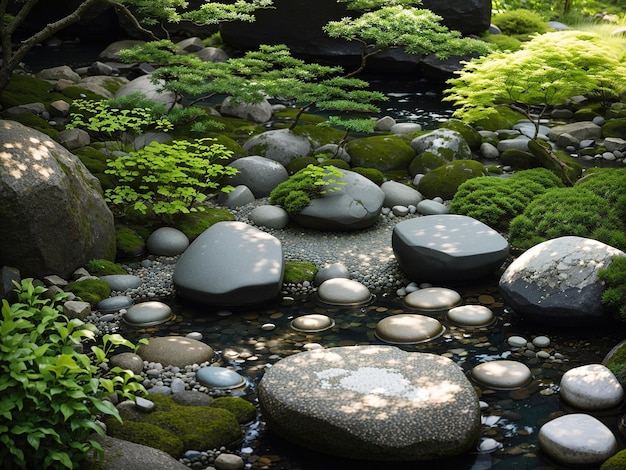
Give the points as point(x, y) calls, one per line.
point(445, 143)
point(58, 73)
point(280, 145)
point(518, 143)
point(167, 241)
point(578, 130)
point(148, 89)
point(256, 112)
point(238, 197)
point(231, 263)
point(405, 128)
point(270, 216)
point(332, 271)
point(112, 51)
point(261, 175)
point(353, 205)
point(591, 387)
point(444, 181)
point(430, 409)
point(561, 287)
point(398, 194)
point(74, 138)
point(212, 54)
point(447, 247)
point(176, 351)
point(489, 151)
point(383, 152)
point(38, 109)
point(430, 207)
point(54, 218)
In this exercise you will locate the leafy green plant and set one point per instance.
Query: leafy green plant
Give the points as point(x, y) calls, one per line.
point(108, 122)
point(614, 295)
point(309, 183)
point(51, 392)
point(169, 179)
point(520, 23)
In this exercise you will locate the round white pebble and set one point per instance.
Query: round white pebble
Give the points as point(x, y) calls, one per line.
point(432, 299)
point(408, 329)
point(502, 374)
point(541, 341)
point(470, 316)
point(517, 341)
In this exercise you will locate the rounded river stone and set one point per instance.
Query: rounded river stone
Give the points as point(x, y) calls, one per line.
point(591, 387)
point(115, 303)
point(341, 291)
point(167, 241)
point(148, 314)
point(432, 299)
point(122, 282)
point(372, 403)
point(219, 377)
point(312, 323)
point(176, 351)
point(502, 374)
point(470, 316)
point(408, 329)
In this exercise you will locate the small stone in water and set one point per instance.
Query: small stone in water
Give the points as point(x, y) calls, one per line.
point(268, 326)
point(517, 341)
point(541, 341)
point(488, 445)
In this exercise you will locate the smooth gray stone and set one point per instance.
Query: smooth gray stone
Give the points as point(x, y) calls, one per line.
point(330, 272)
point(176, 351)
point(167, 241)
point(122, 282)
point(399, 194)
point(261, 175)
point(270, 216)
point(148, 314)
point(219, 378)
point(115, 303)
point(239, 197)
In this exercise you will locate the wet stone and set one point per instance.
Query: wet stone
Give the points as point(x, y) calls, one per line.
point(408, 329)
point(470, 316)
point(432, 299)
point(148, 314)
point(591, 387)
point(219, 378)
point(502, 374)
point(122, 282)
point(341, 291)
point(517, 341)
point(312, 323)
point(114, 303)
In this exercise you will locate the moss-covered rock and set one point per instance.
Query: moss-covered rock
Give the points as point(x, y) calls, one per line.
point(546, 159)
point(615, 360)
point(518, 159)
point(383, 152)
point(244, 411)
point(471, 135)
point(76, 92)
point(287, 116)
point(299, 163)
point(586, 114)
point(296, 272)
point(129, 243)
point(93, 159)
point(146, 434)
point(372, 174)
point(336, 162)
point(319, 135)
point(444, 181)
point(90, 290)
point(35, 122)
point(424, 163)
point(194, 223)
point(23, 89)
point(230, 144)
point(503, 118)
point(614, 128)
point(617, 462)
point(103, 267)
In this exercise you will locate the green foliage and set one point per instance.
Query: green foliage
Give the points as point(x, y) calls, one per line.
point(502, 42)
point(111, 120)
point(169, 179)
point(520, 23)
point(90, 290)
point(296, 272)
point(617, 461)
point(309, 183)
point(103, 267)
point(614, 295)
point(547, 70)
point(496, 201)
point(51, 392)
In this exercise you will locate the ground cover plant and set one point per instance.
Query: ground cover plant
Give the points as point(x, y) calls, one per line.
point(51, 391)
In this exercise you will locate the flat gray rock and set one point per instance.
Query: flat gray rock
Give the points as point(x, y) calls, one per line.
point(175, 351)
point(353, 205)
point(398, 194)
point(372, 402)
point(447, 247)
point(561, 287)
point(231, 264)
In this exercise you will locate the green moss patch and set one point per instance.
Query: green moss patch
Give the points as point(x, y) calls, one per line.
point(24, 89)
point(296, 272)
point(471, 135)
point(129, 243)
point(194, 223)
point(375, 176)
point(424, 163)
point(103, 267)
point(90, 290)
point(444, 181)
point(244, 411)
point(318, 135)
point(383, 152)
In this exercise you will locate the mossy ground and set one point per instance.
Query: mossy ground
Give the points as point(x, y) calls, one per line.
point(296, 272)
point(90, 290)
point(194, 223)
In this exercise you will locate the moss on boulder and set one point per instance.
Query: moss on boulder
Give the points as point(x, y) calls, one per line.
point(103, 267)
point(296, 272)
point(194, 223)
point(23, 89)
point(244, 411)
point(129, 243)
point(503, 118)
point(444, 181)
point(146, 434)
point(299, 163)
point(471, 135)
point(90, 290)
point(383, 152)
point(424, 163)
point(614, 128)
point(372, 174)
point(616, 462)
point(318, 135)
point(518, 159)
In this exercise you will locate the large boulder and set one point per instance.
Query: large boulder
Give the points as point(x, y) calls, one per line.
point(445, 143)
point(372, 403)
point(556, 281)
point(299, 25)
point(232, 264)
point(54, 218)
point(280, 145)
point(447, 247)
point(383, 152)
point(353, 203)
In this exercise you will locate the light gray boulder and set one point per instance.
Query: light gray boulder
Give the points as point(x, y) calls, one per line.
point(353, 203)
point(256, 112)
point(57, 73)
point(261, 175)
point(591, 387)
point(238, 197)
point(144, 85)
point(446, 143)
point(270, 216)
point(430, 207)
point(332, 271)
point(177, 351)
point(517, 143)
point(489, 151)
point(578, 130)
point(231, 264)
point(74, 138)
point(331, 400)
point(54, 218)
point(447, 247)
point(398, 194)
point(556, 281)
point(280, 145)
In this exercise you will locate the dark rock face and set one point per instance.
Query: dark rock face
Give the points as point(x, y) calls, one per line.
point(299, 23)
point(54, 218)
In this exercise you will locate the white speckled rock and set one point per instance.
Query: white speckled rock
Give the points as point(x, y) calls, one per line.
point(408, 329)
point(372, 402)
point(502, 374)
point(341, 291)
point(591, 387)
point(577, 439)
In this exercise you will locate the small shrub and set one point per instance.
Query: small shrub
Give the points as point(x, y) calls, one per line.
point(169, 179)
point(503, 42)
point(614, 296)
point(51, 392)
point(309, 183)
point(520, 23)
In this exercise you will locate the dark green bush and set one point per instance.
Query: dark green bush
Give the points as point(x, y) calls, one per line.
point(496, 201)
point(520, 23)
point(614, 296)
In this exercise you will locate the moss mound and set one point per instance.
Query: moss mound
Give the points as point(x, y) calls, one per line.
point(444, 181)
point(614, 295)
point(24, 89)
point(424, 163)
point(299, 163)
point(103, 267)
point(35, 122)
point(90, 290)
point(520, 23)
point(518, 159)
point(504, 118)
point(244, 411)
point(617, 462)
point(383, 152)
point(194, 223)
point(614, 128)
point(296, 272)
point(496, 201)
point(129, 243)
point(375, 176)
point(146, 434)
point(503, 42)
point(318, 135)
